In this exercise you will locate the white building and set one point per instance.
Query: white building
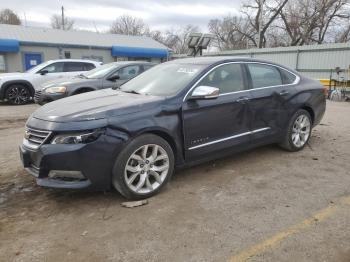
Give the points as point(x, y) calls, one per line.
point(24, 47)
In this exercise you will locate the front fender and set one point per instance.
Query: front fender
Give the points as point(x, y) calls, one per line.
point(164, 122)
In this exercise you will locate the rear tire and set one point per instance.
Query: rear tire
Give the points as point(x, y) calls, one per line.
point(17, 94)
point(298, 132)
point(144, 167)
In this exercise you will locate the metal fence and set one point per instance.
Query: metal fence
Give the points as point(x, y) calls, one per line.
point(315, 61)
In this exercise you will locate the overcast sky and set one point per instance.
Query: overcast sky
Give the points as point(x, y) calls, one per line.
point(159, 14)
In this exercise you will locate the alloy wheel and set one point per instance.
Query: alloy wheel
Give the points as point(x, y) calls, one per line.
point(301, 130)
point(146, 169)
point(18, 95)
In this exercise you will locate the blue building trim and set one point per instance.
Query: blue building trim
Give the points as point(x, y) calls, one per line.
point(126, 51)
point(45, 44)
point(9, 45)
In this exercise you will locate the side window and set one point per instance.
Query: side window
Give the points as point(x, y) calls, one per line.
point(54, 68)
point(88, 66)
point(73, 66)
point(288, 78)
point(228, 78)
point(129, 72)
point(264, 75)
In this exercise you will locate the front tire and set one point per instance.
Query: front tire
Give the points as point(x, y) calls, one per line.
point(298, 132)
point(17, 94)
point(143, 167)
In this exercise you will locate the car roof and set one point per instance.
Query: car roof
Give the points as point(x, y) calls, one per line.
point(213, 60)
point(208, 60)
point(132, 63)
point(75, 60)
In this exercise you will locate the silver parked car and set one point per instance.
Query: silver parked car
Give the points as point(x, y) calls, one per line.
point(110, 75)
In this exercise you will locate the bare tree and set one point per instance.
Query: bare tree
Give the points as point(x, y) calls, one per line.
point(157, 35)
point(176, 38)
point(310, 21)
point(226, 35)
point(129, 25)
point(260, 14)
point(342, 34)
point(7, 16)
point(56, 22)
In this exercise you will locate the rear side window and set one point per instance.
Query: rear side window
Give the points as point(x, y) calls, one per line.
point(88, 66)
point(73, 66)
point(288, 78)
point(264, 75)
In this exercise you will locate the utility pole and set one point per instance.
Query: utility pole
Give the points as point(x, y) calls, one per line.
point(62, 8)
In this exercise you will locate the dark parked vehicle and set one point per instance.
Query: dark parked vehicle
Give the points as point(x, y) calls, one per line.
point(110, 75)
point(176, 114)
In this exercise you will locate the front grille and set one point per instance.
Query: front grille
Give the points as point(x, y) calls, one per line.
point(37, 95)
point(34, 138)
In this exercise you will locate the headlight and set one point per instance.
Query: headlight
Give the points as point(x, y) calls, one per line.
point(56, 89)
point(78, 138)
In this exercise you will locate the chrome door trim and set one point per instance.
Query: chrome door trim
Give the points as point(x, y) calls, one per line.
point(230, 137)
point(296, 81)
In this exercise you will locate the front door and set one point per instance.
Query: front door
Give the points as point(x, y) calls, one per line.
point(214, 124)
point(52, 72)
point(31, 60)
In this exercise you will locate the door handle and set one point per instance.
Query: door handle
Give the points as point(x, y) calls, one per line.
point(283, 93)
point(242, 100)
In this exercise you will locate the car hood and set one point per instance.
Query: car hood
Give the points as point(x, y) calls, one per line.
point(14, 75)
point(95, 105)
point(68, 81)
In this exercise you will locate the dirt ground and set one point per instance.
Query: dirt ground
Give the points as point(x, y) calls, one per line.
point(261, 205)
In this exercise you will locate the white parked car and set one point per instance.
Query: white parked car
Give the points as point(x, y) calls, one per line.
point(19, 88)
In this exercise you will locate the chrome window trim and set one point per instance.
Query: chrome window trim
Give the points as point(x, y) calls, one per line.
point(230, 137)
point(296, 81)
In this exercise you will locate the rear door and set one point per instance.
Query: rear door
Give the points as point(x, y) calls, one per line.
point(73, 68)
point(214, 124)
point(271, 92)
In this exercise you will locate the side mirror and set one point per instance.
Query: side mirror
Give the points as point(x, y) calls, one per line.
point(205, 92)
point(44, 72)
point(113, 78)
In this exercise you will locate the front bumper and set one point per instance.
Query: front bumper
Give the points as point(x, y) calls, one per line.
point(92, 162)
point(40, 97)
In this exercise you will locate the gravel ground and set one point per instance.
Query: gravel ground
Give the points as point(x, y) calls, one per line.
point(262, 205)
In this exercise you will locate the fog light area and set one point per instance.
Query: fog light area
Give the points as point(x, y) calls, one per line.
point(66, 175)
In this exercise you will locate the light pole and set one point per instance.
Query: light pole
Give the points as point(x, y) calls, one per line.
point(62, 9)
point(261, 7)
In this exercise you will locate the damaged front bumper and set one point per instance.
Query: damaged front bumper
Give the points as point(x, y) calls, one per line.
point(73, 166)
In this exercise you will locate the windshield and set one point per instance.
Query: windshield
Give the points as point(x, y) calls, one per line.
point(163, 80)
point(101, 71)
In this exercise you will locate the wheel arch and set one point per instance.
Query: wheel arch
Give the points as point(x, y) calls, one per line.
point(167, 137)
point(7, 84)
point(310, 111)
